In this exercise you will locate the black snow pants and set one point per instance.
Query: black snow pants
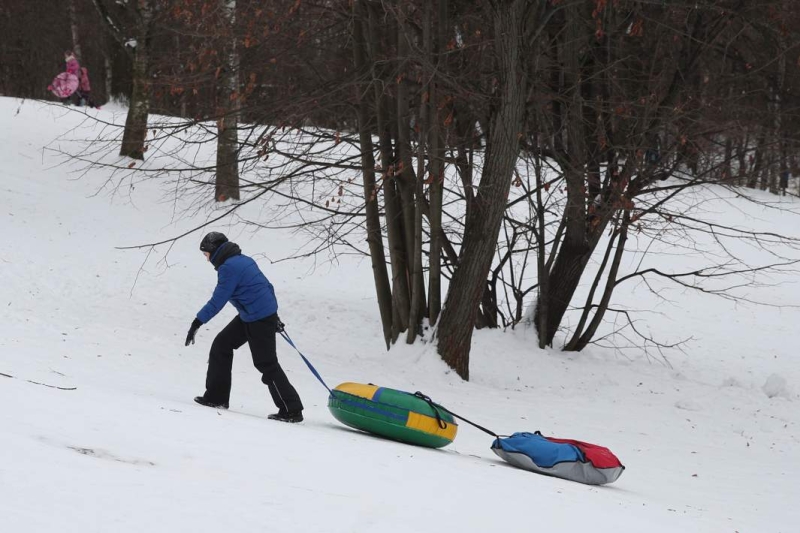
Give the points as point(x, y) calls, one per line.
point(260, 335)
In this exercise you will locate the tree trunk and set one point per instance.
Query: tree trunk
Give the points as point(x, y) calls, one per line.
point(182, 71)
point(227, 181)
point(741, 153)
point(394, 220)
point(109, 77)
point(727, 168)
point(780, 120)
point(417, 282)
point(133, 138)
point(407, 183)
point(73, 26)
point(587, 308)
point(758, 160)
point(417, 304)
point(483, 222)
point(542, 267)
point(435, 189)
point(574, 253)
point(374, 236)
point(565, 276)
point(772, 173)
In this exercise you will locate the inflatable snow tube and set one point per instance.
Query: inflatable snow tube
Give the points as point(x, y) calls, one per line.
point(64, 85)
point(393, 414)
point(568, 459)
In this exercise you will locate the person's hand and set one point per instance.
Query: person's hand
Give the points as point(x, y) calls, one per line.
point(192, 330)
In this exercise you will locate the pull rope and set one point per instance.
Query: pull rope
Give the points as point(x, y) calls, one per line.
point(288, 339)
point(435, 408)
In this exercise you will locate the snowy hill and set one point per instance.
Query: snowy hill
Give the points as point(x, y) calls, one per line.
point(710, 440)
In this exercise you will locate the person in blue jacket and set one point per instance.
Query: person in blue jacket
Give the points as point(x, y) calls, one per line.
point(241, 282)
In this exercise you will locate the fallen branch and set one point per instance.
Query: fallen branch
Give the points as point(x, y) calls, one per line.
point(42, 384)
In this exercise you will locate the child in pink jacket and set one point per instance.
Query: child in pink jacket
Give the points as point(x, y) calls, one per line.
point(83, 92)
point(74, 68)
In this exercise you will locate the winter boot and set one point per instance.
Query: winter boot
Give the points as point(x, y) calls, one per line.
point(283, 416)
point(202, 400)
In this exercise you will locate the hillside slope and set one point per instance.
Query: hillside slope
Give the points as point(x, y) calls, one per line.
point(706, 448)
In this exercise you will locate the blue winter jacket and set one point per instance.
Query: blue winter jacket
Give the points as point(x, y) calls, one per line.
point(241, 282)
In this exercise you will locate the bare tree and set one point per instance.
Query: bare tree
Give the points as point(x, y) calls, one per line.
point(133, 27)
point(227, 179)
point(487, 207)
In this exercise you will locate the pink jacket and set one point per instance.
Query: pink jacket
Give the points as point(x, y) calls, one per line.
point(84, 86)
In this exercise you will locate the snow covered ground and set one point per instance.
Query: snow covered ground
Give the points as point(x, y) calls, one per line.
point(710, 440)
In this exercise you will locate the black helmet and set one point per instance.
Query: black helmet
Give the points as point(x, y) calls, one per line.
point(212, 241)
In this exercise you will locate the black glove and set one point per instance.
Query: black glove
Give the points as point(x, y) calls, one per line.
point(279, 326)
point(192, 330)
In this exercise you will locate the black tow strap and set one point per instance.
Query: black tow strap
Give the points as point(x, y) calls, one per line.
point(442, 423)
